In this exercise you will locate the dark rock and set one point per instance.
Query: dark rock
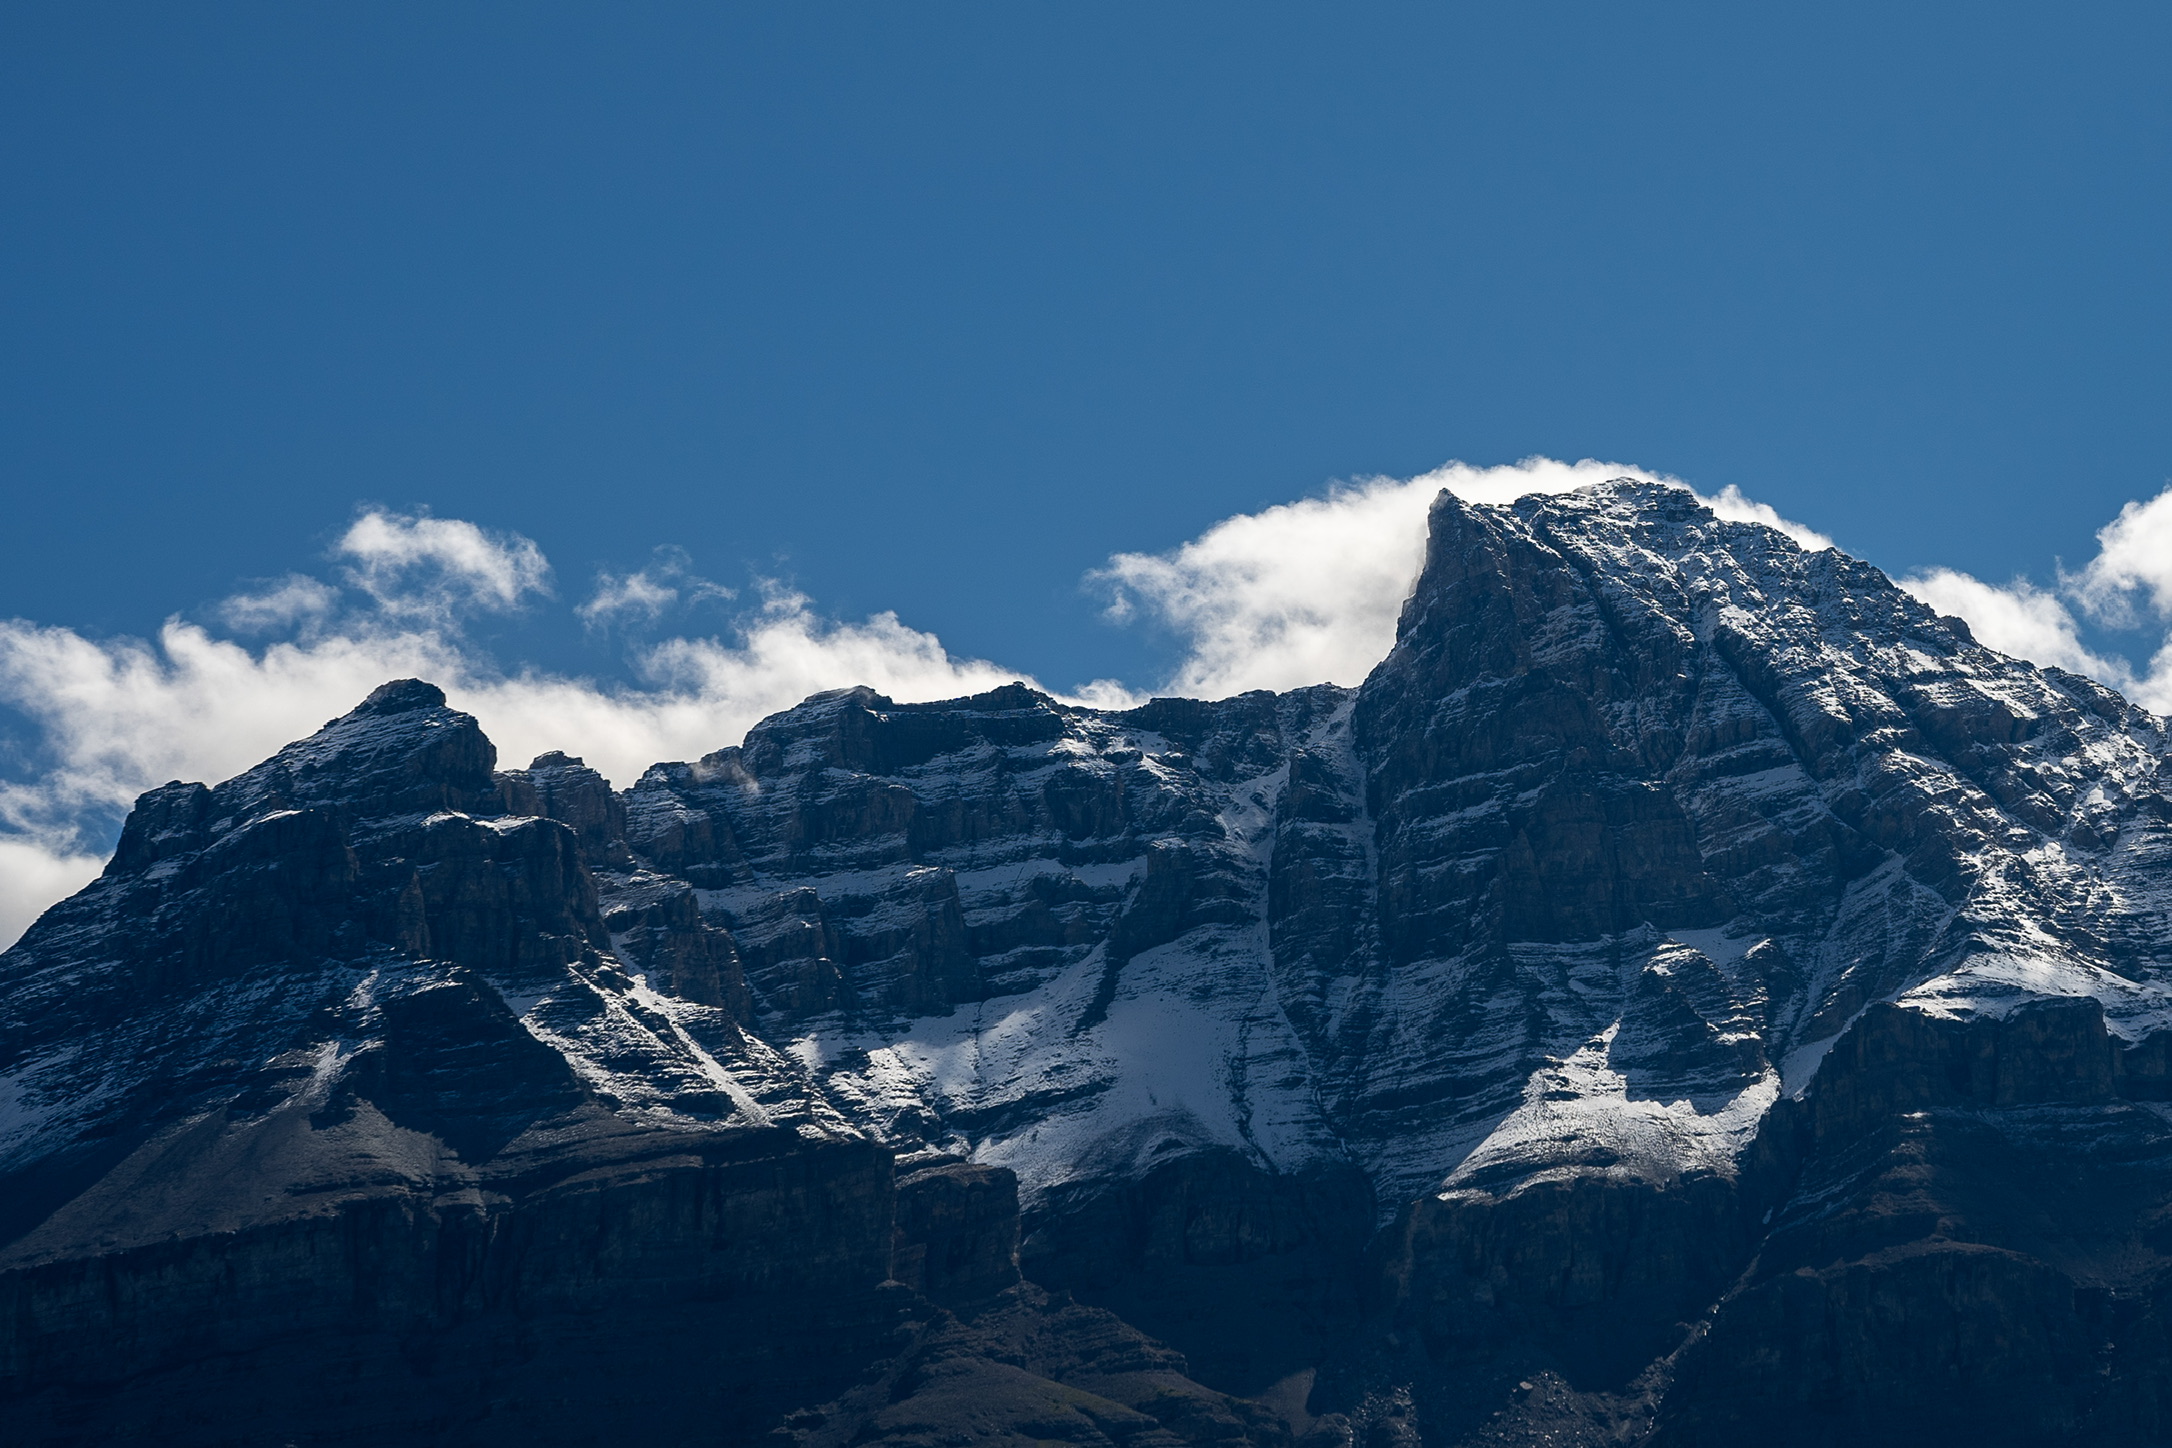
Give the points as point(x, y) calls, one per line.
point(656, 924)
point(562, 788)
point(957, 1232)
point(700, 1294)
point(1972, 1253)
point(1254, 1276)
point(1029, 1368)
point(1596, 1278)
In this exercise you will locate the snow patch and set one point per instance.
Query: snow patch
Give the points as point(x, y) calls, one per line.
point(1578, 1116)
point(1994, 986)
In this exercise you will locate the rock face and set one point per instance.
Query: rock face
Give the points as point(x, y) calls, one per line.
point(1690, 992)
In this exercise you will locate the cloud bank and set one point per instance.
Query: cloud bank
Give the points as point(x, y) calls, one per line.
point(114, 718)
point(1292, 595)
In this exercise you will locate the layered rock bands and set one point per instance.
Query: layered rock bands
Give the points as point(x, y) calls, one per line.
point(1690, 993)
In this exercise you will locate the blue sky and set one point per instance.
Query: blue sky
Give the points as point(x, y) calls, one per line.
point(933, 309)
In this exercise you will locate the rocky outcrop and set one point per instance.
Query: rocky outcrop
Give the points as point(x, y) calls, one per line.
point(705, 1291)
point(957, 1232)
point(1973, 1250)
point(1031, 1368)
point(1254, 1275)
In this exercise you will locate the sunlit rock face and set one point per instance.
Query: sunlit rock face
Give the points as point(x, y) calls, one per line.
point(1689, 991)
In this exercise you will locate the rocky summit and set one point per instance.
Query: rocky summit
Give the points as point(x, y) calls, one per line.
point(1690, 994)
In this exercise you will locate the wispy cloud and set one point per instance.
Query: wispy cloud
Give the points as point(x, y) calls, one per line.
point(425, 568)
point(35, 872)
point(619, 597)
point(645, 595)
point(296, 601)
point(2134, 556)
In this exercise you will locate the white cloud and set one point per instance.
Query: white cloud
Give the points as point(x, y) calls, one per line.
point(2134, 556)
point(645, 595)
point(1730, 504)
point(119, 717)
point(2019, 619)
point(1309, 591)
point(2153, 690)
point(633, 595)
point(1302, 593)
point(1106, 694)
point(427, 568)
point(33, 874)
point(705, 693)
point(295, 601)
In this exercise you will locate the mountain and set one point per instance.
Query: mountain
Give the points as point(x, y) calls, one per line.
point(1689, 993)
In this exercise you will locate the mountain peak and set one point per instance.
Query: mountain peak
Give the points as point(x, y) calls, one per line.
point(401, 696)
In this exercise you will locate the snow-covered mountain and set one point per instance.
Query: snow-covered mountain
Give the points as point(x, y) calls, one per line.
point(1690, 989)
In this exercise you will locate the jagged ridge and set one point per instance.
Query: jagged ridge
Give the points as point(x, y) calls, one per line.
point(1532, 952)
